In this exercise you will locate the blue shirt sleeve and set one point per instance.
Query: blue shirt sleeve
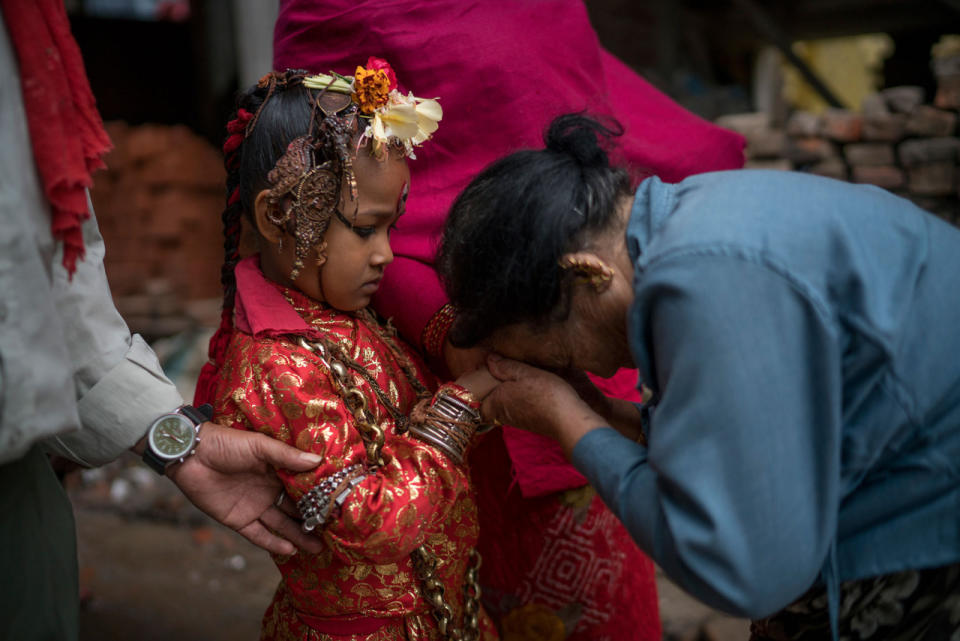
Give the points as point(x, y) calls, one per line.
point(736, 496)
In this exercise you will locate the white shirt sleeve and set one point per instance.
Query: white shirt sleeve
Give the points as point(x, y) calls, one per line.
point(120, 387)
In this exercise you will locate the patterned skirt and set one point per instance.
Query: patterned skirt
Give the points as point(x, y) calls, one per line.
point(560, 567)
point(915, 605)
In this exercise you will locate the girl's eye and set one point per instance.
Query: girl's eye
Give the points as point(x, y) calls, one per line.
point(364, 232)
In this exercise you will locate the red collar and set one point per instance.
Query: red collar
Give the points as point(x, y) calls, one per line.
point(263, 308)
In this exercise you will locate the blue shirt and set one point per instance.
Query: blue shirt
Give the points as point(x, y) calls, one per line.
point(801, 337)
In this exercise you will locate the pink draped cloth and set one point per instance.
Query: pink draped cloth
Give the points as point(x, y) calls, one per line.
point(66, 131)
point(502, 70)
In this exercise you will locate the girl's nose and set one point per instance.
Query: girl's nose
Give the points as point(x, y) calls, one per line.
point(383, 254)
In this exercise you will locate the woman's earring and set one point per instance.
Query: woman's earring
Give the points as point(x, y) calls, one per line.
point(281, 244)
point(588, 268)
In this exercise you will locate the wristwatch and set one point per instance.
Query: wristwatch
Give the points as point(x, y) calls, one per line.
point(173, 437)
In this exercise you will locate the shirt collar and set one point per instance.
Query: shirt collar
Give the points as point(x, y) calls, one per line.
point(652, 204)
point(264, 308)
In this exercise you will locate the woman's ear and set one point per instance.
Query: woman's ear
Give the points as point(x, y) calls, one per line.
point(269, 230)
point(588, 268)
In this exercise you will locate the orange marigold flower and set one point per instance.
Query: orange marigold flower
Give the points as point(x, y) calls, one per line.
point(370, 89)
point(533, 622)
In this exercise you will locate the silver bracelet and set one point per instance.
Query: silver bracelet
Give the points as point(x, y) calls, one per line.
point(451, 429)
point(316, 505)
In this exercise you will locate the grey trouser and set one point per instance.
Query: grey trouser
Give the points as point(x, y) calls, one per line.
point(38, 553)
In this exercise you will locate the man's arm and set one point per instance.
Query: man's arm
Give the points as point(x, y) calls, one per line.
point(121, 389)
point(119, 385)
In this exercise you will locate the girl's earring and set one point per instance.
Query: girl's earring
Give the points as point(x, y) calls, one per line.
point(281, 244)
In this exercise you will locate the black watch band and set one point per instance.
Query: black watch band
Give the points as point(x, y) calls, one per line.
point(198, 415)
point(156, 463)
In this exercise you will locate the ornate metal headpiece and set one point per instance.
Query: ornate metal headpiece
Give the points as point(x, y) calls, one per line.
point(307, 180)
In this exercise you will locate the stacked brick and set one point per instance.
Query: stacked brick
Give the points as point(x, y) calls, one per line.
point(159, 205)
point(895, 141)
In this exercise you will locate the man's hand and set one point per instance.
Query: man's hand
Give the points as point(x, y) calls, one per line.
point(540, 401)
point(231, 477)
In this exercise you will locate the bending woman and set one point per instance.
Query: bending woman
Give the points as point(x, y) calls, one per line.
point(800, 338)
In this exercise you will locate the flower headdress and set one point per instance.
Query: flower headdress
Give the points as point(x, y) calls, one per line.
point(305, 183)
point(392, 117)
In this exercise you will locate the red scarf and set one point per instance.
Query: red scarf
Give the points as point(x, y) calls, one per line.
point(65, 128)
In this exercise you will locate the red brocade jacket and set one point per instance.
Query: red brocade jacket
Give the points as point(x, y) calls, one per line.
point(363, 585)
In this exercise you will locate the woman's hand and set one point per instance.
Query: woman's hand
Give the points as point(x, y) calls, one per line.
point(538, 401)
point(619, 414)
point(586, 390)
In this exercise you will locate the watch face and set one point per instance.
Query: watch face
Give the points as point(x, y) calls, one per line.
point(172, 436)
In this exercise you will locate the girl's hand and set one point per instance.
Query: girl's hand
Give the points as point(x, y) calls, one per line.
point(539, 401)
point(478, 382)
point(462, 361)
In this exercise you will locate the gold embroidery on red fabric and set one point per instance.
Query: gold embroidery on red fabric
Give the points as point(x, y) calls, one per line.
point(278, 388)
point(321, 408)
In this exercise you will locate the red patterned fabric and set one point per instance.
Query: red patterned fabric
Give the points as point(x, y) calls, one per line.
point(563, 557)
point(418, 497)
point(66, 131)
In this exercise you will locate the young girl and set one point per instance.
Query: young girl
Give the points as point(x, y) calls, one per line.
point(317, 168)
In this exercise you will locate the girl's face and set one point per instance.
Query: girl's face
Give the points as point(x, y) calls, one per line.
point(356, 254)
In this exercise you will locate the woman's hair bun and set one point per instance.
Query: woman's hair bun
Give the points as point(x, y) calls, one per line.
point(579, 136)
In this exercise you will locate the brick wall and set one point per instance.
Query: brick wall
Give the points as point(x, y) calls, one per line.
point(895, 141)
point(158, 205)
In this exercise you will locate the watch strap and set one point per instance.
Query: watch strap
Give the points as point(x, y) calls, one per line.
point(198, 415)
point(156, 463)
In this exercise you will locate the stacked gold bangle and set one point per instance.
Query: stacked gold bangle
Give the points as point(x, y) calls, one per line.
point(448, 423)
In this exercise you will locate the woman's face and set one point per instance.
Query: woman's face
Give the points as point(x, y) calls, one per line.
point(592, 338)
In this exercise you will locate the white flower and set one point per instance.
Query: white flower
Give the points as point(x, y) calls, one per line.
point(407, 119)
point(429, 113)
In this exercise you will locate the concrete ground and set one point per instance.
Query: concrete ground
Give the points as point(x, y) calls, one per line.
point(153, 568)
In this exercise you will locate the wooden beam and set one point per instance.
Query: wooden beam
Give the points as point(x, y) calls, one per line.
point(769, 29)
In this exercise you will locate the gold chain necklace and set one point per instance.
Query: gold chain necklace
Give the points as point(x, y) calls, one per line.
point(424, 562)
